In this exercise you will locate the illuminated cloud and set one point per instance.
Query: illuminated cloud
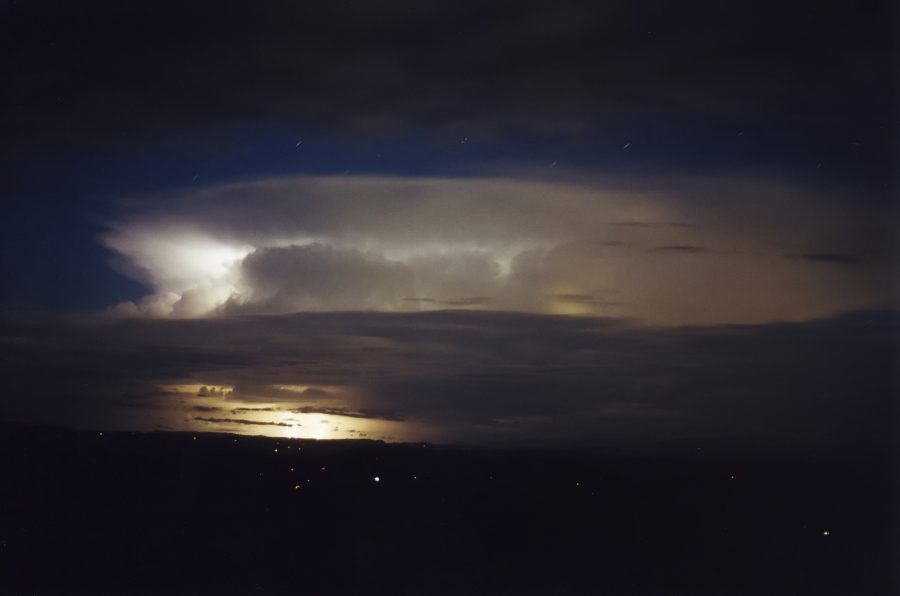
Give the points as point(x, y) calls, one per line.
point(670, 251)
point(191, 272)
point(319, 277)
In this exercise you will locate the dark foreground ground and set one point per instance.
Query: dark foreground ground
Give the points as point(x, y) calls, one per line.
point(122, 513)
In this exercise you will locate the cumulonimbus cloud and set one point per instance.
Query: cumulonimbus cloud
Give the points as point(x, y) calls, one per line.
point(670, 251)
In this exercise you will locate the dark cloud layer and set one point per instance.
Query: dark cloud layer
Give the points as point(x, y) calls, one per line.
point(372, 414)
point(801, 75)
point(477, 376)
point(684, 249)
point(832, 257)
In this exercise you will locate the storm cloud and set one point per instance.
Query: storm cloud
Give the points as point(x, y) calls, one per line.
point(275, 246)
point(469, 375)
point(512, 221)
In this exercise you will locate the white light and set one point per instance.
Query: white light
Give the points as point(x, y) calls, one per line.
point(377, 479)
point(178, 262)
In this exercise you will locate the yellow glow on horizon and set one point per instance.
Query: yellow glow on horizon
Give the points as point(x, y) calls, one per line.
point(560, 305)
point(324, 430)
point(225, 413)
point(563, 307)
point(213, 407)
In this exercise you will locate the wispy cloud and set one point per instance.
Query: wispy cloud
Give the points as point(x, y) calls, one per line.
point(836, 258)
point(684, 249)
point(350, 413)
point(243, 421)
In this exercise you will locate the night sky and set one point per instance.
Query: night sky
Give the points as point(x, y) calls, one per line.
point(521, 223)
